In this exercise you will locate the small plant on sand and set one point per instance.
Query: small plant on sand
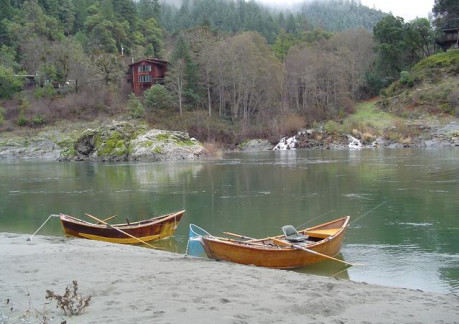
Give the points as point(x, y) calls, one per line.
point(71, 302)
point(10, 314)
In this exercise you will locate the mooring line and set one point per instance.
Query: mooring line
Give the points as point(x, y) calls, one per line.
point(311, 220)
point(355, 220)
point(52, 215)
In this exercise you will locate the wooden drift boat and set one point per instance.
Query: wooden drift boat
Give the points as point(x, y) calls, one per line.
point(323, 242)
point(152, 229)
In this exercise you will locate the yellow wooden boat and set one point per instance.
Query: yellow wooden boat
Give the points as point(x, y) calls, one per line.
point(308, 246)
point(152, 229)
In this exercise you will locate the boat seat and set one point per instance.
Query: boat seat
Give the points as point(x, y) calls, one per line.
point(324, 233)
point(292, 235)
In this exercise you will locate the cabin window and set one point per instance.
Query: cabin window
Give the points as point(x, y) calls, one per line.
point(144, 68)
point(144, 78)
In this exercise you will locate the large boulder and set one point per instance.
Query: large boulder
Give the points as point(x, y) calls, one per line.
point(160, 145)
point(124, 141)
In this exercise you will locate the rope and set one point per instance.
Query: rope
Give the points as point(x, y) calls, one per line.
point(194, 229)
point(355, 220)
point(199, 229)
point(52, 215)
point(311, 220)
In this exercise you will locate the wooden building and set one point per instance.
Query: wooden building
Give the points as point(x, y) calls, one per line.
point(449, 35)
point(145, 73)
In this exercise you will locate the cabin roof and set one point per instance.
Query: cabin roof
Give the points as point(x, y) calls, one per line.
point(151, 60)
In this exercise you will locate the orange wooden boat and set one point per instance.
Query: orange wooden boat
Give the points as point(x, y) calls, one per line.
point(152, 229)
point(322, 241)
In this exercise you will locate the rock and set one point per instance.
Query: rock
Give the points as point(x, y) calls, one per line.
point(111, 141)
point(24, 148)
point(124, 141)
point(160, 145)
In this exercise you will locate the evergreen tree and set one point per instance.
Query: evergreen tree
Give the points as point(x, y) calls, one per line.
point(391, 46)
point(81, 13)
point(10, 83)
point(444, 10)
point(125, 10)
point(148, 9)
point(283, 42)
point(184, 76)
point(67, 16)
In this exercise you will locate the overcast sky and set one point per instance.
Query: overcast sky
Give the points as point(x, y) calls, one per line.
point(408, 9)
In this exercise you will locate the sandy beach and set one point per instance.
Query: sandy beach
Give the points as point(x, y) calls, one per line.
point(130, 284)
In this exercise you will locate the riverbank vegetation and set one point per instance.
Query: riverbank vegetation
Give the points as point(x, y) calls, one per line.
point(237, 69)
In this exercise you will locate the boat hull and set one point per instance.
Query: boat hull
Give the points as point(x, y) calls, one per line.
point(147, 230)
point(261, 253)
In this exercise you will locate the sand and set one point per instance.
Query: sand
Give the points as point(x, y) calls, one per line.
point(131, 284)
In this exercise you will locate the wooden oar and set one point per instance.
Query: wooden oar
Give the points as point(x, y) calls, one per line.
point(108, 218)
point(243, 242)
point(121, 231)
point(240, 236)
point(308, 250)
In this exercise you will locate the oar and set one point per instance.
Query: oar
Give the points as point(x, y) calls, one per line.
point(308, 250)
point(240, 236)
point(121, 231)
point(108, 218)
point(243, 242)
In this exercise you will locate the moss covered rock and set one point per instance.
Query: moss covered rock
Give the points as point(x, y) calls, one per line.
point(128, 141)
point(160, 145)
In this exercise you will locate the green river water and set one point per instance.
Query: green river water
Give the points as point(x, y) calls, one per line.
point(404, 204)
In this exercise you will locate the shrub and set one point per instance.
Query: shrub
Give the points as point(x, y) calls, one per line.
point(135, 107)
point(406, 78)
point(454, 102)
point(22, 120)
point(38, 120)
point(71, 302)
point(332, 127)
point(157, 97)
point(46, 91)
point(9, 83)
point(2, 118)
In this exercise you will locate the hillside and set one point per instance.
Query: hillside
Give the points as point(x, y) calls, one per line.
point(431, 86)
point(237, 16)
point(334, 15)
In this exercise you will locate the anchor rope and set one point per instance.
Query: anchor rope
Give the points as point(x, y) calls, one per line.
point(197, 236)
point(52, 215)
point(368, 212)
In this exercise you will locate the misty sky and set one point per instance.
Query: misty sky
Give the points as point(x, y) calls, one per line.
point(408, 9)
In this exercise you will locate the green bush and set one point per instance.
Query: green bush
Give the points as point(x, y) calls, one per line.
point(406, 78)
point(49, 91)
point(9, 83)
point(39, 92)
point(22, 120)
point(38, 120)
point(135, 107)
point(332, 127)
point(2, 118)
point(157, 97)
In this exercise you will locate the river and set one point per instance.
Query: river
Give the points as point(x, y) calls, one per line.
point(404, 204)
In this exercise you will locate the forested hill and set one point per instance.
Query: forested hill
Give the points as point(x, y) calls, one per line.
point(235, 16)
point(339, 15)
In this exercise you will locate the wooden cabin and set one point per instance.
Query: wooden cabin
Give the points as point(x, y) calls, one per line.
point(449, 35)
point(145, 73)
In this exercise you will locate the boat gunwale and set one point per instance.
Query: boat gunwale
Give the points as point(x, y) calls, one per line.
point(253, 245)
point(136, 224)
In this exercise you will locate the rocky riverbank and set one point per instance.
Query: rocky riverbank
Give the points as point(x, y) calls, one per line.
point(131, 140)
point(422, 135)
point(109, 141)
